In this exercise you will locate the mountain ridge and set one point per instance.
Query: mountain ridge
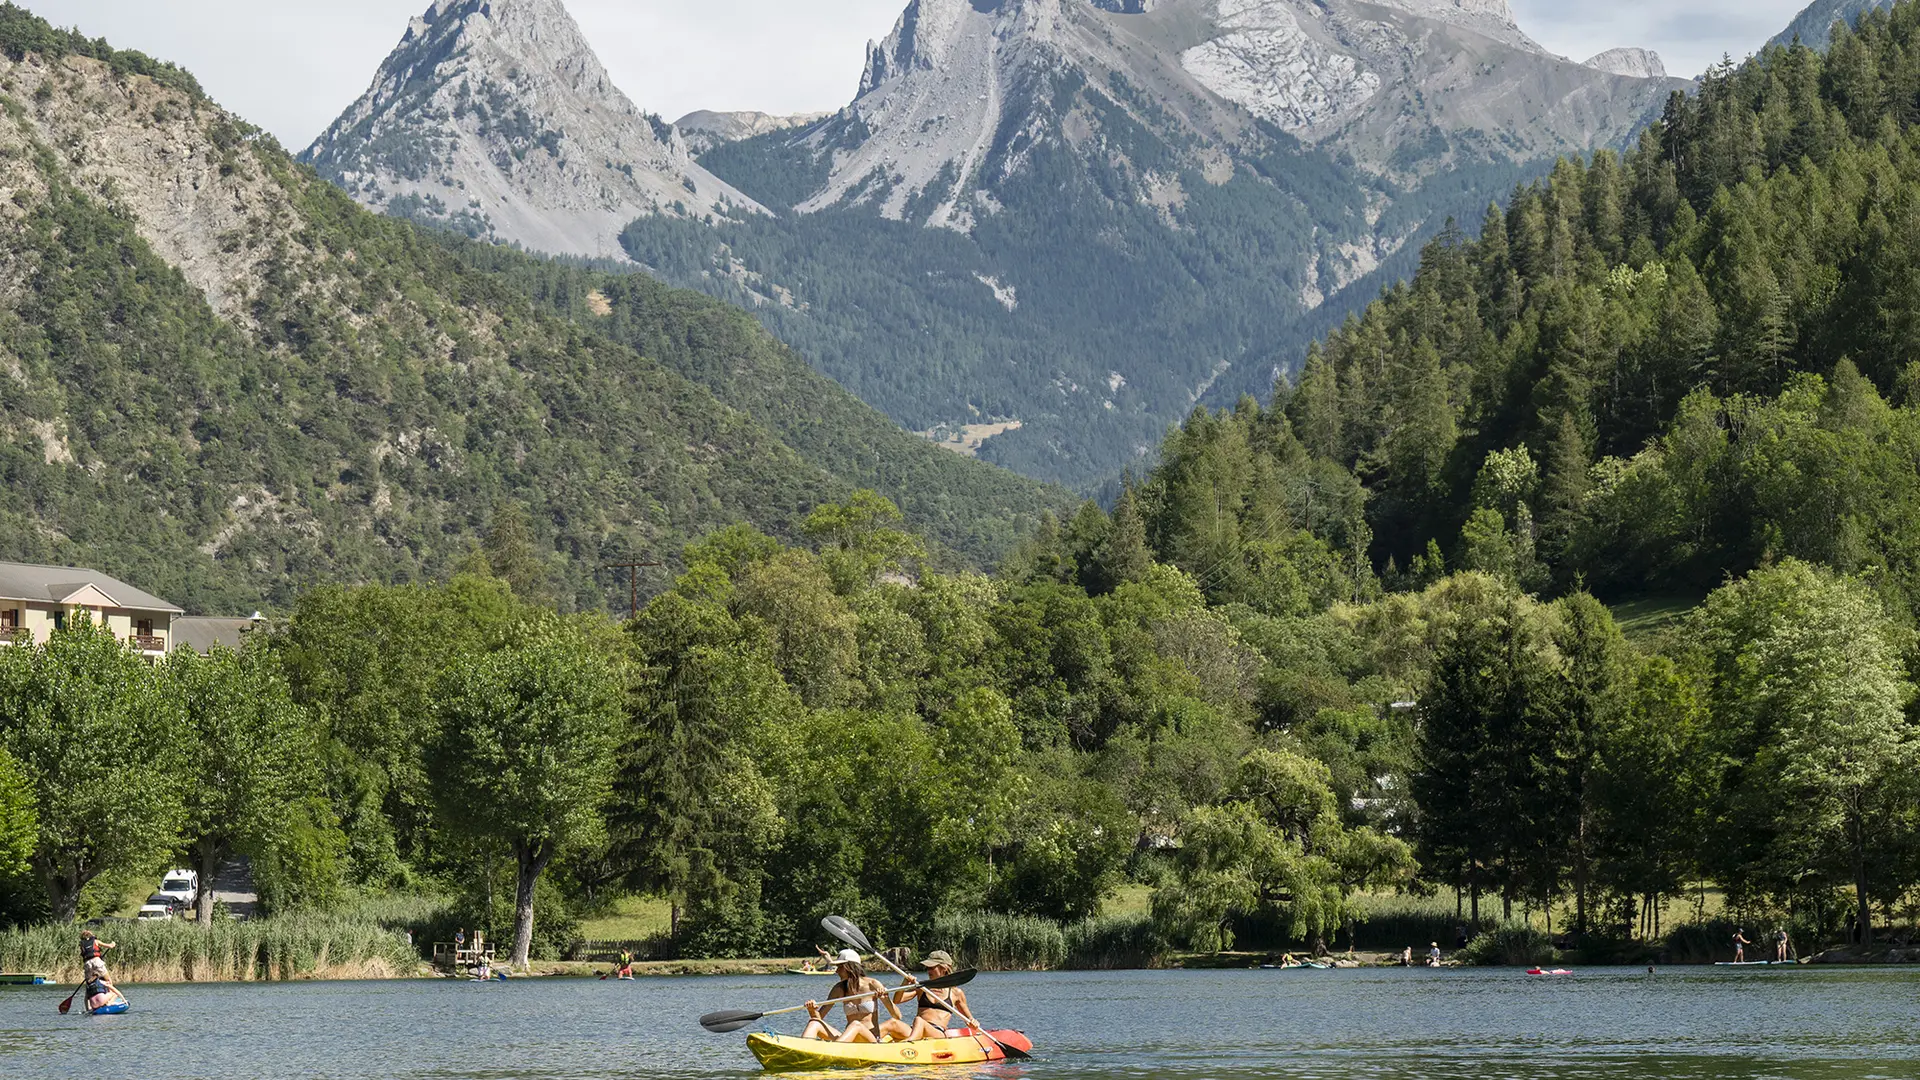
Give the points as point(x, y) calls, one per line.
point(1813, 27)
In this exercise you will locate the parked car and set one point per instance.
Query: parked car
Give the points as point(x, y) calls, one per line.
point(151, 912)
point(181, 886)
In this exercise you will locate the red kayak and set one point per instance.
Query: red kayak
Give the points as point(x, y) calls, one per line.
point(1548, 971)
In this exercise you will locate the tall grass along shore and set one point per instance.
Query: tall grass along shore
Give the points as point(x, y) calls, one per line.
point(295, 946)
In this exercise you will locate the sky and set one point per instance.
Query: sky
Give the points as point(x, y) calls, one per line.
point(291, 66)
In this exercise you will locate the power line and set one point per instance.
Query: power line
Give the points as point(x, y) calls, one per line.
point(633, 583)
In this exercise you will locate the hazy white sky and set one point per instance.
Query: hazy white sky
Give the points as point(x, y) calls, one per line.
point(291, 66)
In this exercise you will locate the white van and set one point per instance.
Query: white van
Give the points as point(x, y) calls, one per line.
point(180, 885)
point(149, 912)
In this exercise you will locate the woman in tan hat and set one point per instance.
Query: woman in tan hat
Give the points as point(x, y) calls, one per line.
point(862, 1015)
point(930, 1016)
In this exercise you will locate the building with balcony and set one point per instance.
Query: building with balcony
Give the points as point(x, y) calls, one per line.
point(37, 600)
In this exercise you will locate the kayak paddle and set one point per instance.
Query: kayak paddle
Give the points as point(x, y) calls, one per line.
point(730, 1020)
point(849, 933)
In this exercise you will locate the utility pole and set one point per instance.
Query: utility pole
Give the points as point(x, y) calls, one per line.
point(633, 583)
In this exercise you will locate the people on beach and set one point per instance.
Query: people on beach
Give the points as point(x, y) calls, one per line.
point(1406, 956)
point(1740, 944)
point(1460, 936)
point(931, 1016)
point(1433, 955)
point(862, 1016)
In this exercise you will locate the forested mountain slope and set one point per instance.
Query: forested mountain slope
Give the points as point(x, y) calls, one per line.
point(226, 381)
point(1651, 372)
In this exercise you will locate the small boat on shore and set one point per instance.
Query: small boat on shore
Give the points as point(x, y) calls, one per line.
point(811, 971)
point(785, 1053)
point(24, 978)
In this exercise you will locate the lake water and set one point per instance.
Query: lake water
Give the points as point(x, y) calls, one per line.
point(1805, 1023)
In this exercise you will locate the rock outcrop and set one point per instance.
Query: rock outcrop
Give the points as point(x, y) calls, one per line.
point(495, 118)
point(1630, 63)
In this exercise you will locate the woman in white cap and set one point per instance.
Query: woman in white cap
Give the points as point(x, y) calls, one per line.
point(862, 1015)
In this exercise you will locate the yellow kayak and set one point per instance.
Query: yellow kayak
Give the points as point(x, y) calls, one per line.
point(782, 1053)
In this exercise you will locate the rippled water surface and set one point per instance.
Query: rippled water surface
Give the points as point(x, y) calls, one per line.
point(1680, 1024)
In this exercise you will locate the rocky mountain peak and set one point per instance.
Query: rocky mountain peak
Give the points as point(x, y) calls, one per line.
point(496, 118)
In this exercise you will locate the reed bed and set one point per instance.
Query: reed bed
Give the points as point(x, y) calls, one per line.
point(1114, 942)
point(993, 942)
point(303, 945)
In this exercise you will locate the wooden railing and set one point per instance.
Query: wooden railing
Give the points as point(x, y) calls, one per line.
point(148, 643)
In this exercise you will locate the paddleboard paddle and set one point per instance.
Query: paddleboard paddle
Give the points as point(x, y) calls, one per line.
point(732, 1020)
point(849, 933)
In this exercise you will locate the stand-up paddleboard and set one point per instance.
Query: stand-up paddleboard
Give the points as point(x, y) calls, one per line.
point(114, 1006)
point(1754, 963)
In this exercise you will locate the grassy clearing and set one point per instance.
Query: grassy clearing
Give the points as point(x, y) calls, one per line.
point(1648, 616)
point(633, 918)
point(1131, 900)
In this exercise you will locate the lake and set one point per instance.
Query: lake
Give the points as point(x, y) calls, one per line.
point(1804, 1023)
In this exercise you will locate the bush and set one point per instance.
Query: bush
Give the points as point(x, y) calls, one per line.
point(1521, 946)
point(999, 942)
point(1114, 941)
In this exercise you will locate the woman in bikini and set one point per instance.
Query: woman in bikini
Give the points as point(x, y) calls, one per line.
point(862, 1016)
point(931, 1016)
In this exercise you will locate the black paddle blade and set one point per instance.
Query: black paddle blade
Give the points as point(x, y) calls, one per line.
point(847, 932)
point(952, 978)
point(728, 1020)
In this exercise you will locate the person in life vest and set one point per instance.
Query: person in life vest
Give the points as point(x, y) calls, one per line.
point(93, 969)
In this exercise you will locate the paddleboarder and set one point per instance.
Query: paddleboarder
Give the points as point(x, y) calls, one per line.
point(862, 1016)
point(1782, 946)
point(1740, 944)
point(98, 984)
